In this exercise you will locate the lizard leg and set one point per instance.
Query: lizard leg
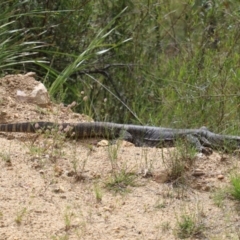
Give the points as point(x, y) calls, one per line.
point(125, 135)
point(196, 142)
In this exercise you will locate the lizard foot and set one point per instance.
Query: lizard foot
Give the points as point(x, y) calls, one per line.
point(206, 151)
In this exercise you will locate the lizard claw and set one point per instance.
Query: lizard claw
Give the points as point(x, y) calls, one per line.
point(206, 151)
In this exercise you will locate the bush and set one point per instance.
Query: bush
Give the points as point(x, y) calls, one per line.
point(166, 63)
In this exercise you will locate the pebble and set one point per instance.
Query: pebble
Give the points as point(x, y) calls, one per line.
point(59, 189)
point(160, 176)
point(198, 172)
point(206, 188)
point(220, 177)
point(103, 143)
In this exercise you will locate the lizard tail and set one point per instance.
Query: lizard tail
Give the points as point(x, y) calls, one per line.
point(25, 127)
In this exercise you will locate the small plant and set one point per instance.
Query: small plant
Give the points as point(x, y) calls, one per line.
point(121, 178)
point(67, 219)
point(6, 158)
point(64, 237)
point(120, 181)
point(48, 149)
point(160, 205)
point(147, 167)
point(79, 165)
point(98, 193)
point(189, 226)
point(165, 226)
point(179, 162)
point(113, 153)
point(235, 189)
point(20, 215)
point(36, 150)
point(218, 197)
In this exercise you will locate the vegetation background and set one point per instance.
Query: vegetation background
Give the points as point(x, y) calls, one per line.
point(167, 63)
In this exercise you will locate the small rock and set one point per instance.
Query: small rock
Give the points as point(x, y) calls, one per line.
point(160, 176)
point(30, 74)
point(59, 189)
point(198, 186)
point(220, 177)
point(58, 171)
point(3, 113)
point(198, 172)
point(76, 115)
point(146, 173)
point(206, 188)
point(223, 158)
point(103, 143)
point(201, 156)
point(107, 209)
point(10, 137)
point(70, 173)
point(38, 96)
point(127, 144)
point(41, 171)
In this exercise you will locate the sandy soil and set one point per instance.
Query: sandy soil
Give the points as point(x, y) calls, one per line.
point(55, 188)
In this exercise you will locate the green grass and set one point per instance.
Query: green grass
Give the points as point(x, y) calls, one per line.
point(120, 181)
point(179, 162)
point(235, 186)
point(20, 215)
point(177, 62)
point(219, 196)
point(6, 157)
point(188, 226)
point(98, 193)
point(63, 237)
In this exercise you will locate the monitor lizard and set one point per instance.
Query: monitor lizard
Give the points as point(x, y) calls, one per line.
point(202, 139)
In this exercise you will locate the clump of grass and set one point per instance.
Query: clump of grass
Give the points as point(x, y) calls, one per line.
point(48, 149)
point(64, 237)
point(68, 219)
point(120, 181)
point(218, 197)
point(113, 150)
point(160, 205)
point(6, 158)
point(179, 162)
point(235, 188)
point(165, 226)
point(78, 170)
point(98, 193)
point(189, 226)
point(20, 216)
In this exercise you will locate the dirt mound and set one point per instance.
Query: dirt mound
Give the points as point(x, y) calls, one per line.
point(12, 109)
point(56, 188)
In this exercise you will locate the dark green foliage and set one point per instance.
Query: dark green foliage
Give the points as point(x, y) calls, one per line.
point(17, 48)
point(180, 68)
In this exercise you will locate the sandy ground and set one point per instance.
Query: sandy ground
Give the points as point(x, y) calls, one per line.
point(55, 188)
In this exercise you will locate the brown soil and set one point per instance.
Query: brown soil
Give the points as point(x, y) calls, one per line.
point(55, 188)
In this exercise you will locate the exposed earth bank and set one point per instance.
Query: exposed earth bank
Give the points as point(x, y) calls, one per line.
point(57, 188)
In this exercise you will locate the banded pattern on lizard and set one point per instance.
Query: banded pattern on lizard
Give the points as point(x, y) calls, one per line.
point(201, 138)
